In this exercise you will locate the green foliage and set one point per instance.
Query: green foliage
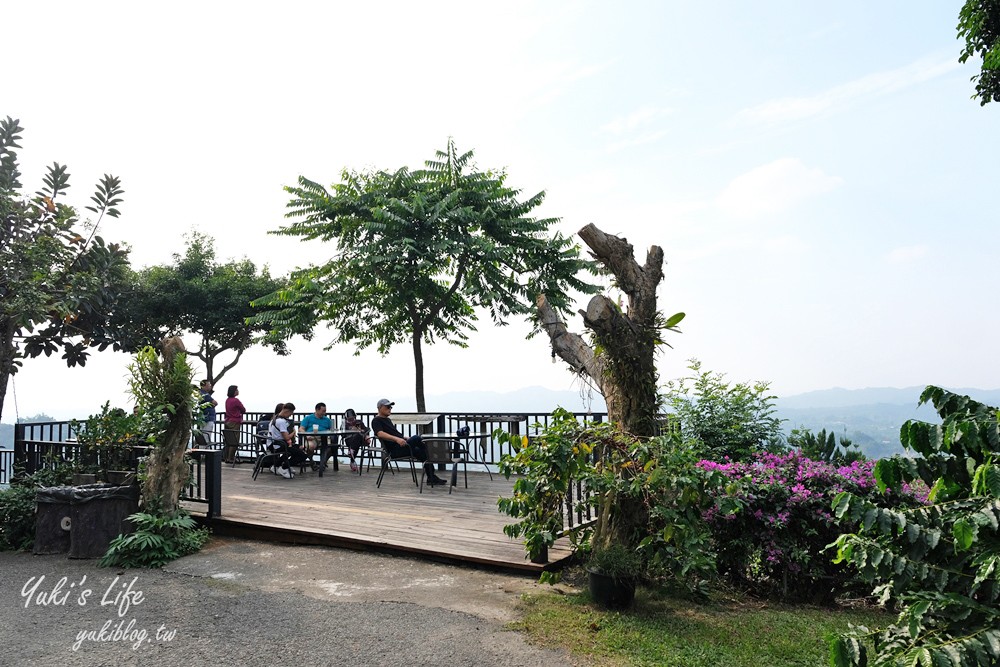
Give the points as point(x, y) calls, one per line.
point(546, 467)
point(939, 564)
point(17, 507)
point(17, 517)
point(109, 436)
point(615, 560)
point(728, 421)
point(58, 283)
point(417, 253)
point(823, 446)
point(158, 539)
point(199, 295)
point(650, 492)
point(161, 391)
point(979, 26)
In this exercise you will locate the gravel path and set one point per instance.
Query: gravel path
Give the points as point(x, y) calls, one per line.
point(261, 604)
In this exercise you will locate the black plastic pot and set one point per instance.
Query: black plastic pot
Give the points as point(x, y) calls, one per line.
point(611, 592)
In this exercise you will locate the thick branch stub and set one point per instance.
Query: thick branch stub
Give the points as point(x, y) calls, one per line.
point(570, 347)
point(638, 282)
point(606, 321)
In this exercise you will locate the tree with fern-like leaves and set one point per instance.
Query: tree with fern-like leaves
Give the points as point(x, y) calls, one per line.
point(59, 280)
point(418, 255)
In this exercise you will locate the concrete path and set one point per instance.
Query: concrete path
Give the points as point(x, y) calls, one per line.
point(257, 604)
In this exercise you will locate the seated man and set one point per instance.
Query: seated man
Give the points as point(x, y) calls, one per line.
point(397, 445)
point(320, 421)
point(282, 439)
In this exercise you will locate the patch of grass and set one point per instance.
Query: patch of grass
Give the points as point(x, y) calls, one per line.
point(665, 630)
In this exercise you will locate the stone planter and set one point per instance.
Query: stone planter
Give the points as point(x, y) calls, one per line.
point(81, 478)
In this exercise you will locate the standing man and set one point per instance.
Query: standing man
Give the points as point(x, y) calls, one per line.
point(208, 404)
point(397, 445)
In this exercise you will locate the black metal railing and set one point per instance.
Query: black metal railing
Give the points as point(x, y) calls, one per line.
point(40, 440)
point(31, 455)
point(6, 466)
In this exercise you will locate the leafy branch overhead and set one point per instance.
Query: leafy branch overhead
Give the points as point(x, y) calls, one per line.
point(418, 255)
point(58, 289)
point(979, 26)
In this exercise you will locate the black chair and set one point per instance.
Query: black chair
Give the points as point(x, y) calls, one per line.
point(388, 460)
point(449, 452)
point(267, 458)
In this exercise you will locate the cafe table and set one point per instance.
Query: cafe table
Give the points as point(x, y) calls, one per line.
point(325, 444)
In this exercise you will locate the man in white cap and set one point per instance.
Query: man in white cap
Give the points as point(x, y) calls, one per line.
point(399, 446)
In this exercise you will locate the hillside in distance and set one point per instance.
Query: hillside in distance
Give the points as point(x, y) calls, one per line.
point(870, 417)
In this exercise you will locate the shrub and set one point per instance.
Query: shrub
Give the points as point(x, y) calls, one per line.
point(939, 564)
point(648, 495)
point(729, 421)
point(823, 446)
point(109, 436)
point(158, 539)
point(775, 544)
point(17, 507)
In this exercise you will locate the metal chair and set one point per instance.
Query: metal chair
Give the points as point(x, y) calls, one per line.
point(388, 460)
point(447, 451)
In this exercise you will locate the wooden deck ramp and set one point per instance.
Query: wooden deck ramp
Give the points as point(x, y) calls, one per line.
point(344, 509)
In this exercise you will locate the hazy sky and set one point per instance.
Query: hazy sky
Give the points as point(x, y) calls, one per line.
point(822, 185)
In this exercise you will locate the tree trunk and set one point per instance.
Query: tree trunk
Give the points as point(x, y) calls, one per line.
point(167, 472)
point(624, 368)
point(7, 329)
point(418, 364)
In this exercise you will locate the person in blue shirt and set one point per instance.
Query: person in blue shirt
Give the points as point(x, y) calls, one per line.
point(208, 410)
point(321, 421)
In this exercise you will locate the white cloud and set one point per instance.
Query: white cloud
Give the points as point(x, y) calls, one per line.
point(785, 246)
point(774, 187)
point(879, 83)
point(638, 118)
point(649, 138)
point(906, 254)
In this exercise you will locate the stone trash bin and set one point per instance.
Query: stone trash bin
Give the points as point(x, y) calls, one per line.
point(99, 514)
point(82, 520)
point(52, 519)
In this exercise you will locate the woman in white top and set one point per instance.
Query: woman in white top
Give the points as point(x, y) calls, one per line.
point(282, 437)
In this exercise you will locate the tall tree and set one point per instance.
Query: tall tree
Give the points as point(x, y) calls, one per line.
point(417, 253)
point(59, 280)
point(199, 296)
point(979, 26)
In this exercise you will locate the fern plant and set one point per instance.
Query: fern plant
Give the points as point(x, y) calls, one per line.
point(157, 540)
point(940, 563)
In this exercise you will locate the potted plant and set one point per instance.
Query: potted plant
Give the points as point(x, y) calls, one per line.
point(612, 572)
point(107, 438)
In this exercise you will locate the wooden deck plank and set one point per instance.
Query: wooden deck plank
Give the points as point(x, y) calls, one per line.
point(346, 509)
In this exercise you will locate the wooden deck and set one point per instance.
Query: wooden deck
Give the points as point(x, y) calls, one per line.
point(343, 509)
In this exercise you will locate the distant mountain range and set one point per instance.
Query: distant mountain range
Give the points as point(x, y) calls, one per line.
point(870, 417)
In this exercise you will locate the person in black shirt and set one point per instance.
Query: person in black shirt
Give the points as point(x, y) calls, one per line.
point(396, 444)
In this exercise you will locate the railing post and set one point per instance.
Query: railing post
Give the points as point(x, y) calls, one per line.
point(213, 482)
point(20, 451)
